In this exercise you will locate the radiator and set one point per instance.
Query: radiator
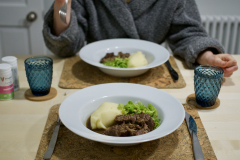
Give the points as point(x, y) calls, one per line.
point(226, 29)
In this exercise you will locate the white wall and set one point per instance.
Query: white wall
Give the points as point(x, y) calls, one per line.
point(47, 4)
point(219, 7)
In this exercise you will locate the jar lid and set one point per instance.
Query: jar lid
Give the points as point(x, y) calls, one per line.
point(5, 67)
point(10, 59)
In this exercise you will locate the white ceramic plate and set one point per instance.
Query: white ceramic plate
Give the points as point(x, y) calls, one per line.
point(77, 108)
point(94, 52)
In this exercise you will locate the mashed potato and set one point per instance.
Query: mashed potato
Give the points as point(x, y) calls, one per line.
point(104, 116)
point(137, 60)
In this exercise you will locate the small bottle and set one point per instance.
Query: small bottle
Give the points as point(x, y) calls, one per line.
point(6, 82)
point(13, 62)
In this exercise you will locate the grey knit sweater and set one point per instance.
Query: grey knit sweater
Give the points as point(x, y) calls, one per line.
point(176, 21)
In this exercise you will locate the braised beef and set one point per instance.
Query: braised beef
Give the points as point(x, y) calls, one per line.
point(131, 125)
point(111, 56)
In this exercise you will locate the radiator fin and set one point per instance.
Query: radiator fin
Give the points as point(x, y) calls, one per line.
point(226, 29)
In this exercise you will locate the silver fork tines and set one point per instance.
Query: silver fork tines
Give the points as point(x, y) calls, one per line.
point(63, 12)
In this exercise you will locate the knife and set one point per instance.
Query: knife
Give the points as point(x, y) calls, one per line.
point(172, 71)
point(192, 128)
point(53, 141)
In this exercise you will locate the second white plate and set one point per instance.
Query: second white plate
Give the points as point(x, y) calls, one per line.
point(94, 52)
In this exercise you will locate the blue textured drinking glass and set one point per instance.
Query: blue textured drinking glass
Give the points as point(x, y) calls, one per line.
point(207, 84)
point(39, 74)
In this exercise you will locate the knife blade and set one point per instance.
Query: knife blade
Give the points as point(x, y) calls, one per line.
point(53, 141)
point(192, 128)
point(173, 73)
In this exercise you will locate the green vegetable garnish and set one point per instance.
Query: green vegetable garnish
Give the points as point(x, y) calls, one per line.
point(117, 62)
point(131, 108)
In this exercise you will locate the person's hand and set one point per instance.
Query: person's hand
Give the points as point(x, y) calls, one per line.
point(225, 61)
point(58, 25)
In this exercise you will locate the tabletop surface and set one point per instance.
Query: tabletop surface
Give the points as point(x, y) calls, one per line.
point(22, 121)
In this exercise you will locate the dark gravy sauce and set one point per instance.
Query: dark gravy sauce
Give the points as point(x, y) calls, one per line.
point(95, 130)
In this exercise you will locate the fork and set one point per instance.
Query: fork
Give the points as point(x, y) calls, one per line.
point(63, 12)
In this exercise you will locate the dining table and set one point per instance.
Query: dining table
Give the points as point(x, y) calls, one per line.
point(22, 121)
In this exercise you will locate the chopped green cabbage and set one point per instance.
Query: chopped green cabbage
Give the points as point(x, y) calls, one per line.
point(117, 62)
point(131, 108)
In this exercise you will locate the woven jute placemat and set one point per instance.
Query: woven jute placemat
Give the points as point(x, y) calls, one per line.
point(175, 146)
point(77, 74)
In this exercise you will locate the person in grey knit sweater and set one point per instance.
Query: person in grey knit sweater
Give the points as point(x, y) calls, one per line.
point(176, 21)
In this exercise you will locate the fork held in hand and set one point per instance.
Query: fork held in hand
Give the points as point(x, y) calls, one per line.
point(63, 12)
